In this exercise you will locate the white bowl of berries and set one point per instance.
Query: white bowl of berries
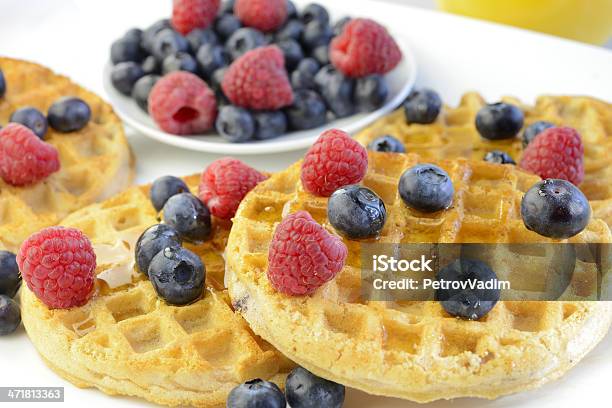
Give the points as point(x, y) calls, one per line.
point(244, 82)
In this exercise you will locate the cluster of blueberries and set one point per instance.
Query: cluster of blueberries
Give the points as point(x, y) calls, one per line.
point(67, 114)
point(176, 273)
point(178, 276)
point(321, 93)
point(10, 281)
point(495, 121)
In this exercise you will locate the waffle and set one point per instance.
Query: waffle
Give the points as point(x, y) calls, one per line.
point(412, 349)
point(454, 134)
point(96, 162)
point(127, 341)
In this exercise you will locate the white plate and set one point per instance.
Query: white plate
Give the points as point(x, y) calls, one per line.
point(400, 82)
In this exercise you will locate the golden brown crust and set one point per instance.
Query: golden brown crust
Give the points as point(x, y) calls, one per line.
point(412, 350)
point(96, 162)
point(127, 341)
point(454, 135)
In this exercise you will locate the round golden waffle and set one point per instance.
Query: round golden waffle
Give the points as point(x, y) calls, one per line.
point(128, 341)
point(412, 350)
point(96, 162)
point(454, 134)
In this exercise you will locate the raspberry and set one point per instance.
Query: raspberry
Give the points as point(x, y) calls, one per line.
point(182, 104)
point(58, 265)
point(225, 183)
point(363, 48)
point(190, 14)
point(258, 80)
point(303, 255)
point(264, 15)
point(334, 160)
point(556, 153)
point(24, 158)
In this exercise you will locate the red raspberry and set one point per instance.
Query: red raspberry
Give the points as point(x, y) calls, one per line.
point(24, 158)
point(364, 47)
point(334, 160)
point(258, 80)
point(225, 183)
point(58, 265)
point(303, 255)
point(556, 153)
point(182, 104)
point(190, 14)
point(264, 15)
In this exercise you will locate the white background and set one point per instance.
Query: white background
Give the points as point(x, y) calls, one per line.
point(454, 55)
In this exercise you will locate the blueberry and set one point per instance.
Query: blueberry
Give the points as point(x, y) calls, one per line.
point(269, 125)
point(314, 12)
point(189, 216)
point(226, 25)
point(181, 61)
point(305, 390)
point(199, 37)
point(243, 40)
point(422, 106)
point(316, 33)
point(124, 50)
point(133, 34)
point(292, 51)
point(338, 94)
point(256, 394)
point(10, 316)
point(388, 144)
point(426, 188)
point(177, 275)
point(31, 118)
point(321, 54)
point(2, 84)
point(291, 10)
point(339, 26)
point(307, 110)
point(227, 6)
point(148, 36)
point(304, 75)
point(535, 129)
point(235, 124)
point(309, 65)
point(165, 187)
point(555, 208)
point(217, 78)
point(142, 89)
point(153, 240)
point(323, 76)
point(356, 212)
point(301, 80)
point(68, 114)
point(168, 42)
point(370, 93)
point(292, 30)
point(499, 121)
point(124, 75)
point(10, 278)
point(499, 157)
point(210, 58)
point(470, 304)
point(151, 65)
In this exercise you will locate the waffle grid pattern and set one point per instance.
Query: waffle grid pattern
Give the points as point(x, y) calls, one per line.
point(454, 135)
point(128, 341)
point(413, 349)
point(96, 162)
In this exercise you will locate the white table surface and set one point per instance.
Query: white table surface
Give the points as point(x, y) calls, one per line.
point(454, 55)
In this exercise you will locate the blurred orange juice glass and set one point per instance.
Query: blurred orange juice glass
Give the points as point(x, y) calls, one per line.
point(583, 20)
